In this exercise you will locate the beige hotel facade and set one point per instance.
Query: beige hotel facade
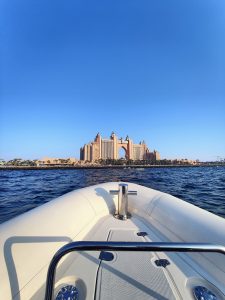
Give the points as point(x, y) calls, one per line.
point(102, 148)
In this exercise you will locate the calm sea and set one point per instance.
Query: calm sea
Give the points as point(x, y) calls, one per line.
point(22, 190)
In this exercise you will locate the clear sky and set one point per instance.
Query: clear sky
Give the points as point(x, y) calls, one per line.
point(153, 69)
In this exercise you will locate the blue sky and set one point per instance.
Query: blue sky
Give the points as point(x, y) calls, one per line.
point(152, 69)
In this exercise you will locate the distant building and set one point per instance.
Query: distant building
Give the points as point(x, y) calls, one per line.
point(184, 161)
point(2, 162)
point(47, 161)
point(102, 148)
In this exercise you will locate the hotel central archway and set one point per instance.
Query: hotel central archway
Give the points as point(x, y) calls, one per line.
point(122, 152)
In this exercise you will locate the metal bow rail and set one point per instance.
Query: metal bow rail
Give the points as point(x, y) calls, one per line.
point(122, 246)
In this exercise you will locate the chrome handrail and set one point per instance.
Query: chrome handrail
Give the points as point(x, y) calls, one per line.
point(122, 246)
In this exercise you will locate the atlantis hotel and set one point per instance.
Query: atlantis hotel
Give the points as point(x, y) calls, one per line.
point(102, 148)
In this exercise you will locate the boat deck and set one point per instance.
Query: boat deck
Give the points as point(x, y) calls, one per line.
point(128, 274)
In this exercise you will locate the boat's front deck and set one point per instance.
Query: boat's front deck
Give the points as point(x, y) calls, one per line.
point(132, 274)
point(128, 275)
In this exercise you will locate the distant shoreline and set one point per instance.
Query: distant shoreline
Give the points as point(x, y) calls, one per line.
point(107, 167)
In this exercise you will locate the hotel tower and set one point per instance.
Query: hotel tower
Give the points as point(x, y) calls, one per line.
point(102, 148)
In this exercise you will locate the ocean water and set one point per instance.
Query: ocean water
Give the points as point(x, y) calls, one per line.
point(22, 190)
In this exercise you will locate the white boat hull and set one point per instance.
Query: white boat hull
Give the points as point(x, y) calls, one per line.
point(28, 243)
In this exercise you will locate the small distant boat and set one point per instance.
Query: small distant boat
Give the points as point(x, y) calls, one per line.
point(113, 241)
